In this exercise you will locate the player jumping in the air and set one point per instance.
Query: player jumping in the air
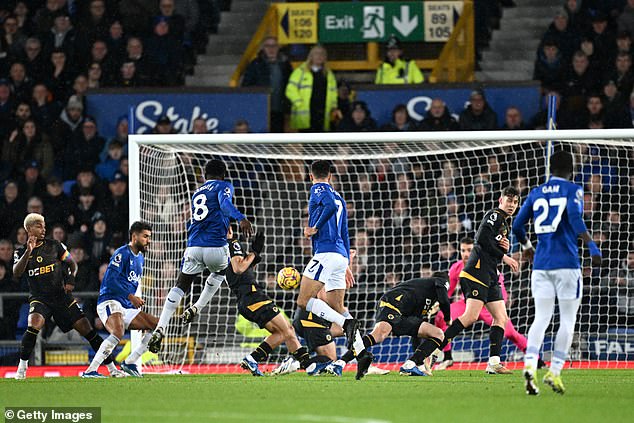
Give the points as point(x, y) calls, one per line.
point(479, 278)
point(401, 312)
point(44, 260)
point(207, 246)
point(329, 267)
point(556, 208)
point(118, 307)
point(257, 307)
point(458, 307)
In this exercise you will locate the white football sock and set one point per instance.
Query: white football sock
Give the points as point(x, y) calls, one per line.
point(171, 304)
point(24, 364)
point(323, 310)
point(567, 319)
point(139, 350)
point(104, 351)
point(544, 308)
point(111, 367)
point(212, 284)
point(494, 360)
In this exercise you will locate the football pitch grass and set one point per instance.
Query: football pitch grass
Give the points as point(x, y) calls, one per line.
point(450, 396)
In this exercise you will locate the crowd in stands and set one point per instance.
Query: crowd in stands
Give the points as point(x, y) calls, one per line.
point(54, 161)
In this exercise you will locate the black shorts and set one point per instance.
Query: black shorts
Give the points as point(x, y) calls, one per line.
point(389, 313)
point(315, 334)
point(483, 288)
point(65, 310)
point(258, 308)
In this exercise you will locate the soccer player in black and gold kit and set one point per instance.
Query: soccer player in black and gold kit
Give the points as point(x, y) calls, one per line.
point(257, 307)
point(47, 263)
point(479, 278)
point(403, 311)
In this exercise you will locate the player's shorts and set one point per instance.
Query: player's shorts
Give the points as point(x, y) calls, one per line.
point(64, 310)
point(197, 259)
point(480, 288)
point(109, 307)
point(315, 334)
point(258, 308)
point(390, 313)
point(565, 284)
point(329, 269)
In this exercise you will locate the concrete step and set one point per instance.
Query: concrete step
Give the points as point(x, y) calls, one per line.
point(256, 6)
point(503, 45)
point(519, 35)
point(517, 54)
point(229, 48)
point(215, 69)
point(525, 66)
point(207, 81)
point(525, 3)
point(500, 76)
point(546, 12)
point(218, 59)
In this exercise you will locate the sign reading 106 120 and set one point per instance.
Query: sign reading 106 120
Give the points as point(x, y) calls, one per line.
point(440, 18)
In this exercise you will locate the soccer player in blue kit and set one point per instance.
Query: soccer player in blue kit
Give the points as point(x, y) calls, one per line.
point(207, 246)
point(118, 307)
point(556, 208)
point(329, 267)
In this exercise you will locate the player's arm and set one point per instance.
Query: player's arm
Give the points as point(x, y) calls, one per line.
point(20, 263)
point(443, 302)
point(66, 258)
point(240, 262)
point(225, 199)
point(453, 280)
point(329, 208)
point(574, 208)
point(489, 228)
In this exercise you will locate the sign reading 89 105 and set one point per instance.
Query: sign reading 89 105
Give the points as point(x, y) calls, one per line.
point(440, 18)
point(297, 23)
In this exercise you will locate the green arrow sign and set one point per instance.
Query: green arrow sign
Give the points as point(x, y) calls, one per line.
point(362, 22)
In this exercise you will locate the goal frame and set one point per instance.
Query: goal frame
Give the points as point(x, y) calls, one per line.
point(622, 137)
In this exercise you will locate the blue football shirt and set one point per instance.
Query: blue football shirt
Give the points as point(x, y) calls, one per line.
point(122, 277)
point(327, 211)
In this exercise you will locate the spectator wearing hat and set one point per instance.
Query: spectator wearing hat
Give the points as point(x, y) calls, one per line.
point(84, 148)
point(31, 183)
point(97, 240)
point(478, 116)
point(625, 21)
point(271, 69)
point(95, 24)
point(63, 128)
point(85, 208)
point(58, 206)
point(359, 120)
point(438, 118)
point(164, 126)
point(395, 69)
point(604, 41)
point(128, 75)
point(312, 92)
point(550, 66)
point(61, 36)
point(165, 54)
point(401, 120)
point(567, 38)
point(87, 181)
point(116, 204)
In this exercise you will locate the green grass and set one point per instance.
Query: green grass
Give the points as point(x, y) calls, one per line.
point(452, 396)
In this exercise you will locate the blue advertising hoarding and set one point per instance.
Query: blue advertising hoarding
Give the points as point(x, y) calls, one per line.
point(220, 108)
point(381, 101)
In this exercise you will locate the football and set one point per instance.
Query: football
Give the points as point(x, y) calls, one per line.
point(288, 278)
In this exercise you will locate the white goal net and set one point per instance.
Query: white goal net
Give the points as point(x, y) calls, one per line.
point(411, 198)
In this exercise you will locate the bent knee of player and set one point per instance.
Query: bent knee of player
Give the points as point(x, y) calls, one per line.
point(184, 281)
point(381, 331)
point(436, 333)
point(36, 320)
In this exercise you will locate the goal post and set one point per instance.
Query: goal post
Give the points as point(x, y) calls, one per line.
point(412, 196)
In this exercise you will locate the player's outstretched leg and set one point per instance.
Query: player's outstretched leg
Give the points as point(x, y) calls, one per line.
point(212, 284)
point(555, 382)
point(364, 360)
